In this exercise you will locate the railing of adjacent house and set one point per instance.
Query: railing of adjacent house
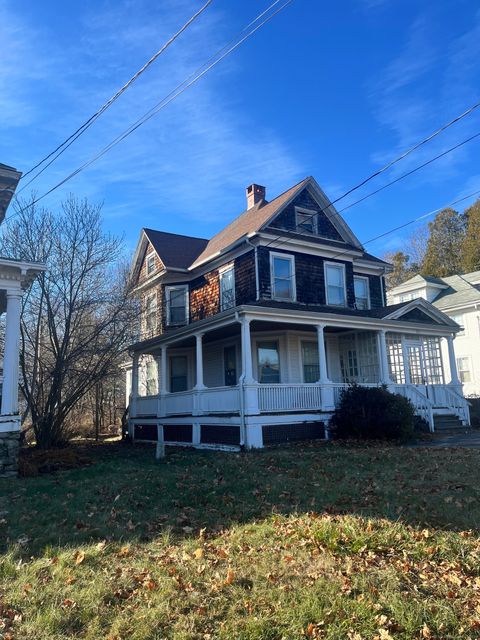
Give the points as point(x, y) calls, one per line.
point(289, 397)
point(423, 405)
point(219, 400)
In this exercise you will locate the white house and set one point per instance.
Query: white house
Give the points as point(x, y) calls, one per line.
point(15, 277)
point(248, 339)
point(458, 297)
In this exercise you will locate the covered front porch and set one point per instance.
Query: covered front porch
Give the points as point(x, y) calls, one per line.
point(270, 368)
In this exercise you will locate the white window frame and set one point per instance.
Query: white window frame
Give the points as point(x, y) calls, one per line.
point(291, 259)
point(460, 370)
point(168, 290)
point(367, 280)
point(221, 273)
point(341, 266)
point(309, 212)
point(462, 332)
point(147, 259)
point(152, 295)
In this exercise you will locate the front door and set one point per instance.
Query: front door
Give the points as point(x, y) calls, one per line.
point(416, 366)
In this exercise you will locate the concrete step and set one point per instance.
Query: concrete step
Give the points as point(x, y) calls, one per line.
point(448, 422)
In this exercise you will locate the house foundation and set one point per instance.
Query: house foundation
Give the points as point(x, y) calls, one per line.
point(9, 448)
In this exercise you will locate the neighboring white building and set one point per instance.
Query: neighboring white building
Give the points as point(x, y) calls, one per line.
point(15, 277)
point(458, 297)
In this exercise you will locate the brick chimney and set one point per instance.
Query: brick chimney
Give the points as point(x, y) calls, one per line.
point(255, 194)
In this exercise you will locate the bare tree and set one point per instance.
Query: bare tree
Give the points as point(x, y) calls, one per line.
point(77, 318)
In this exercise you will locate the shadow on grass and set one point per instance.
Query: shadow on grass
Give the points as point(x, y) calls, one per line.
point(126, 495)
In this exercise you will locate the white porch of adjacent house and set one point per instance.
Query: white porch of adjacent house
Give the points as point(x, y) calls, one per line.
point(15, 276)
point(262, 371)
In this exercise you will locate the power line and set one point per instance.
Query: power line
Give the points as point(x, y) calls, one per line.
point(391, 163)
point(183, 86)
point(88, 123)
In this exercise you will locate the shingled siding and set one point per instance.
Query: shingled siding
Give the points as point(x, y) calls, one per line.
point(204, 296)
point(245, 279)
point(309, 277)
point(375, 284)
point(143, 269)
point(287, 218)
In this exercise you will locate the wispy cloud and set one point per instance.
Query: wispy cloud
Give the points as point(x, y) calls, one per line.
point(192, 160)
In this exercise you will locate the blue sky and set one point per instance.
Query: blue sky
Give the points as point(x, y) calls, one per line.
point(332, 90)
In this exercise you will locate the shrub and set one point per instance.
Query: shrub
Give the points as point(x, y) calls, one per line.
point(373, 413)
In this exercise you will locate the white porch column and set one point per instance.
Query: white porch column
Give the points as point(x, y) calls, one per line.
point(322, 356)
point(11, 354)
point(328, 399)
point(452, 362)
point(382, 349)
point(199, 361)
point(134, 390)
point(247, 361)
point(162, 389)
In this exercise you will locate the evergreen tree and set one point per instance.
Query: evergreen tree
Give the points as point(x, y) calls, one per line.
point(401, 271)
point(443, 256)
point(471, 245)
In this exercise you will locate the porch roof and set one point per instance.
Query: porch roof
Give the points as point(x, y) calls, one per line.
point(302, 315)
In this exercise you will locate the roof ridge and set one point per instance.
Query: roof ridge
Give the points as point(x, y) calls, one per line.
point(170, 233)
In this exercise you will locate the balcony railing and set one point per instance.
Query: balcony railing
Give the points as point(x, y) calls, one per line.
point(289, 397)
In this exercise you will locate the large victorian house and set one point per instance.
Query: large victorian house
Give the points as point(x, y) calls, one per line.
point(248, 339)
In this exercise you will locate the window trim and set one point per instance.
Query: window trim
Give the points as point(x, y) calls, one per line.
point(367, 280)
point(310, 212)
point(168, 290)
point(463, 331)
point(291, 258)
point(147, 258)
point(221, 274)
point(338, 265)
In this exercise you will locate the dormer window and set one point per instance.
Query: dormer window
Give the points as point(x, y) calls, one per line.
point(150, 260)
point(306, 220)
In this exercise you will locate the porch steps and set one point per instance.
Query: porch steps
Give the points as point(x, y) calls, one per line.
point(445, 423)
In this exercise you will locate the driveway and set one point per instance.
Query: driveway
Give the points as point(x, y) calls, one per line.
point(470, 439)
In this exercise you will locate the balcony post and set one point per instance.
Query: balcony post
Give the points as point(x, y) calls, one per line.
point(162, 380)
point(452, 361)
point(328, 400)
point(382, 350)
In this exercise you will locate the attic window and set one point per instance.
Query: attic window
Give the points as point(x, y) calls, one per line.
point(306, 220)
point(150, 263)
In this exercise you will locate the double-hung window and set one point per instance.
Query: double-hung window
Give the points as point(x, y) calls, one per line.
point(227, 289)
point(362, 293)
point(177, 304)
point(150, 260)
point(335, 284)
point(463, 367)
point(282, 276)
point(306, 220)
point(151, 313)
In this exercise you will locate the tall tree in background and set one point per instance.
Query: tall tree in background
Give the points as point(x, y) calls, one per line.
point(401, 269)
point(471, 245)
point(77, 317)
point(443, 256)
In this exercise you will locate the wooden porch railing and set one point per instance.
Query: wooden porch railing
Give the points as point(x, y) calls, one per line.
point(289, 397)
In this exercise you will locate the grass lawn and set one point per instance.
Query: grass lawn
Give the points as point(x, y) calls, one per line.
point(307, 541)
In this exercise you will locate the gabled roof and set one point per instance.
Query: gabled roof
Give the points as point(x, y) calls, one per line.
point(252, 220)
point(459, 292)
point(174, 250)
point(9, 178)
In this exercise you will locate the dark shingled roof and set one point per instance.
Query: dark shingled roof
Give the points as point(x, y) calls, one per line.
point(174, 250)
point(382, 312)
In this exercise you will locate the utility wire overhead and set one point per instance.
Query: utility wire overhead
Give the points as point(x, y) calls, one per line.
point(395, 160)
point(88, 123)
point(183, 86)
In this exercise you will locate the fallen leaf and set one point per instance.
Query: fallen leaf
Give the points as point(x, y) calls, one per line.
point(230, 577)
point(198, 553)
point(79, 557)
